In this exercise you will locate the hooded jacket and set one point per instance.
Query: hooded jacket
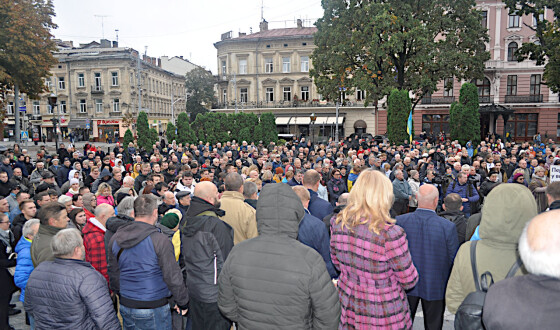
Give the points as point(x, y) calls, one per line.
point(143, 270)
point(112, 225)
point(205, 245)
point(100, 179)
point(506, 210)
point(288, 285)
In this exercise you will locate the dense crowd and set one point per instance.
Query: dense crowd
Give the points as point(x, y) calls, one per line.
point(340, 235)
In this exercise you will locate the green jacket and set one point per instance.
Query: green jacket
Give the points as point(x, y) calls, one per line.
point(41, 245)
point(507, 209)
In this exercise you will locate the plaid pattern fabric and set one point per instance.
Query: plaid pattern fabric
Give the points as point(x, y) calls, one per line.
point(94, 242)
point(375, 272)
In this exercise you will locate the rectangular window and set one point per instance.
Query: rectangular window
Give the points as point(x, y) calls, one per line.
point(36, 108)
point(97, 81)
point(62, 106)
point(484, 20)
point(287, 92)
point(49, 109)
point(224, 67)
point(224, 95)
point(82, 107)
point(48, 83)
point(305, 64)
point(522, 126)
point(448, 86)
point(305, 93)
point(116, 105)
point(270, 94)
point(434, 124)
point(243, 66)
point(131, 78)
point(98, 105)
point(511, 85)
point(243, 95)
point(535, 87)
point(114, 78)
point(61, 83)
point(81, 80)
point(541, 19)
point(286, 64)
point(513, 21)
point(268, 65)
point(360, 95)
point(10, 108)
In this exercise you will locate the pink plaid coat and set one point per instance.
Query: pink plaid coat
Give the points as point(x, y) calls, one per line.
point(375, 272)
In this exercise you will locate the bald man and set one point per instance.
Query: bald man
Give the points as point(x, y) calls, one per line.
point(206, 243)
point(530, 301)
point(94, 238)
point(433, 244)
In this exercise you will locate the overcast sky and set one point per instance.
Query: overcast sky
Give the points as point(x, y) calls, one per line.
point(175, 27)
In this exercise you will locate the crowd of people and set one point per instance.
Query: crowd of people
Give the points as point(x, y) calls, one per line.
point(340, 235)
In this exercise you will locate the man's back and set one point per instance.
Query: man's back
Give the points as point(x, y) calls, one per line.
point(318, 207)
point(78, 291)
point(433, 243)
point(239, 215)
point(276, 292)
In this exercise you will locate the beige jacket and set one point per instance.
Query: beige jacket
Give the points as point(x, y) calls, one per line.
point(506, 210)
point(239, 215)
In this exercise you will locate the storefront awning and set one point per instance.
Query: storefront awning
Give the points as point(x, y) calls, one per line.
point(300, 121)
point(282, 120)
point(321, 120)
point(77, 123)
point(332, 120)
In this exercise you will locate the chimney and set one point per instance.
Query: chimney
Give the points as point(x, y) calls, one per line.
point(242, 34)
point(105, 43)
point(299, 24)
point(263, 26)
point(115, 44)
point(145, 58)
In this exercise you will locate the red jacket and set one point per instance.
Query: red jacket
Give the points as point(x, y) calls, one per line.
point(94, 242)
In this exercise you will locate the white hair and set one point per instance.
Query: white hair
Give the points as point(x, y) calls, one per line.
point(27, 230)
point(63, 199)
point(543, 262)
point(128, 179)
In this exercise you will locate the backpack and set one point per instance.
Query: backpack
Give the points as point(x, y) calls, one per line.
point(469, 313)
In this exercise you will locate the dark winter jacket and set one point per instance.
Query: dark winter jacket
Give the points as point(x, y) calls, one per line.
point(41, 245)
point(105, 176)
point(113, 224)
point(487, 186)
point(143, 269)
point(336, 188)
point(7, 286)
point(62, 175)
point(17, 225)
point(205, 245)
point(78, 291)
point(252, 202)
point(328, 218)
point(466, 190)
point(318, 207)
point(138, 182)
point(313, 234)
point(288, 285)
point(460, 221)
point(8, 169)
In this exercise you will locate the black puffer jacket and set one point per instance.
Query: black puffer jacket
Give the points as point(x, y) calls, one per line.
point(273, 281)
point(78, 291)
point(113, 224)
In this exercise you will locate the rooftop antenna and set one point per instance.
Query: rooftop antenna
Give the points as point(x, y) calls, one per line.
point(102, 24)
point(117, 32)
point(262, 10)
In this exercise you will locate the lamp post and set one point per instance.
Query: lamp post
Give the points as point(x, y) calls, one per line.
point(313, 119)
point(52, 102)
point(340, 90)
point(173, 108)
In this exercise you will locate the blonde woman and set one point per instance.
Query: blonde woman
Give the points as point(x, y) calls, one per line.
point(372, 255)
point(104, 195)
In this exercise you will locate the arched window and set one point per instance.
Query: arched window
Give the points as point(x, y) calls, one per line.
point(512, 49)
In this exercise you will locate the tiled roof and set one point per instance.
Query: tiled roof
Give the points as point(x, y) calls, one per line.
point(279, 33)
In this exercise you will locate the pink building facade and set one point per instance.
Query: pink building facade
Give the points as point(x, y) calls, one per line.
point(514, 101)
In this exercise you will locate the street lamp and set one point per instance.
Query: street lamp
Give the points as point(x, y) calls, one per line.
point(52, 102)
point(173, 104)
point(313, 119)
point(340, 90)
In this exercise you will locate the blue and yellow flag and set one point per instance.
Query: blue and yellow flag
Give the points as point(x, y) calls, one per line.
point(409, 127)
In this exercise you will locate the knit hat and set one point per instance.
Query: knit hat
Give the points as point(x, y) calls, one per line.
point(170, 220)
point(516, 176)
point(74, 180)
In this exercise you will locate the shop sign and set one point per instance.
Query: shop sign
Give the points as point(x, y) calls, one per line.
point(107, 122)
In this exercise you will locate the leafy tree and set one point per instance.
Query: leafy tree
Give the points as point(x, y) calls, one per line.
point(185, 133)
point(128, 137)
point(464, 118)
point(547, 49)
point(143, 131)
point(398, 110)
point(266, 130)
point(199, 85)
point(170, 132)
point(380, 45)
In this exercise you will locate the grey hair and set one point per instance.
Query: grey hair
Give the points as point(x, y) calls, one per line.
point(249, 189)
point(27, 230)
point(145, 205)
point(128, 179)
point(542, 262)
point(396, 172)
point(65, 241)
point(63, 199)
point(126, 206)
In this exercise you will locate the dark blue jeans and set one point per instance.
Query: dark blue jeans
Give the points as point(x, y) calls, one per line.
point(146, 319)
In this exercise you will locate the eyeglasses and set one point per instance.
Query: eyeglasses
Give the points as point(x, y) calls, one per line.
point(4, 221)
